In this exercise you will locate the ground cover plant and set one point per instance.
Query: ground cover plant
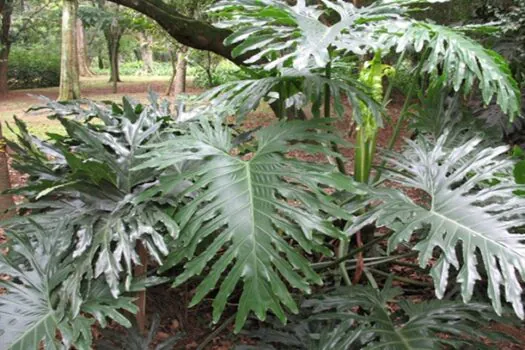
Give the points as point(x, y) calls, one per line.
point(135, 196)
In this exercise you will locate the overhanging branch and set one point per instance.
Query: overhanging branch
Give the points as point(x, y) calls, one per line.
point(187, 31)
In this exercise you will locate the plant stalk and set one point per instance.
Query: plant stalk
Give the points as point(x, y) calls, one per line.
point(327, 114)
point(282, 100)
point(215, 333)
point(340, 166)
point(141, 271)
point(343, 259)
point(402, 116)
point(402, 279)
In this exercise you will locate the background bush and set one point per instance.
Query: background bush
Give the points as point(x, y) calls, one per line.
point(33, 68)
point(135, 68)
point(225, 72)
point(405, 77)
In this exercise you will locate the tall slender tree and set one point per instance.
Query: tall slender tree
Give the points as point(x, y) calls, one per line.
point(179, 86)
point(6, 11)
point(146, 51)
point(83, 59)
point(6, 200)
point(69, 70)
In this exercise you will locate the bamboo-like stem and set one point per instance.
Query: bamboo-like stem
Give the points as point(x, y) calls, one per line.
point(327, 92)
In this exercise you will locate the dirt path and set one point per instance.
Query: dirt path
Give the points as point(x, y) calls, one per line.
point(97, 89)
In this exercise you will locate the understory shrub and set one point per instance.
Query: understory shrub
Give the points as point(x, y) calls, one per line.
point(225, 72)
point(33, 68)
point(404, 78)
point(135, 68)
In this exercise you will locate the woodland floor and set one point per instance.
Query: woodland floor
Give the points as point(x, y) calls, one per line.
point(170, 304)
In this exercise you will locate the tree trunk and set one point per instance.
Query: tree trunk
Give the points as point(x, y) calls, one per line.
point(69, 72)
point(146, 52)
point(180, 76)
point(173, 59)
point(4, 70)
point(100, 59)
point(6, 201)
point(6, 10)
point(113, 36)
point(114, 64)
point(209, 73)
point(83, 60)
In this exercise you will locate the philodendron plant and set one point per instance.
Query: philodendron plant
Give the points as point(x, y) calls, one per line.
point(247, 211)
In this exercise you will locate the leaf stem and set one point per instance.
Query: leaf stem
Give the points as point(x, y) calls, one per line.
point(402, 279)
point(327, 114)
point(141, 271)
point(216, 332)
point(341, 251)
point(345, 257)
point(402, 115)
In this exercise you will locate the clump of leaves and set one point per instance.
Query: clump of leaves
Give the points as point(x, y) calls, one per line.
point(460, 211)
point(280, 36)
point(363, 317)
point(84, 212)
point(35, 304)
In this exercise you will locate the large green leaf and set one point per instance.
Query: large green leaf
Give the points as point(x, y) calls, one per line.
point(248, 211)
point(25, 315)
point(28, 314)
point(461, 210)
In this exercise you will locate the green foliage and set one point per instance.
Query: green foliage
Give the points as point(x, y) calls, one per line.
point(245, 95)
point(136, 68)
point(251, 208)
point(459, 211)
point(462, 61)
point(404, 77)
point(331, 322)
point(83, 196)
point(31, 68)
point(225, 72)
point(278, 36)
point(244, 211)
point(33, 309)
point(510, 40)
point(98, 187)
